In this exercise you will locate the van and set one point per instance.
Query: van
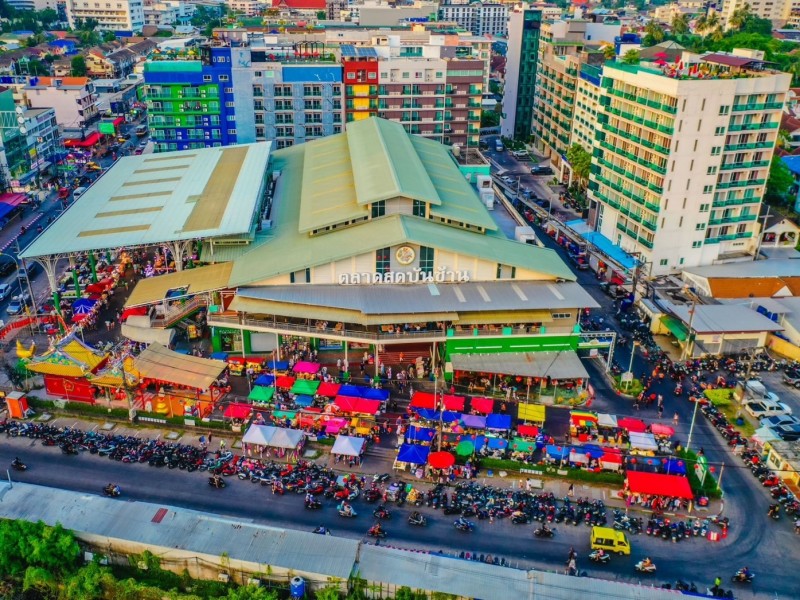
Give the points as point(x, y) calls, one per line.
point(610, 540)
point(498, 146)
point(141, 130)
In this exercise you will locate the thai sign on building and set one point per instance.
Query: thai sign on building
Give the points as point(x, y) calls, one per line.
point(416, 275)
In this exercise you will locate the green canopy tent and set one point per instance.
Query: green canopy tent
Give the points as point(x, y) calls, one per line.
point(305, 386)
point(262, 394)
point(465, 448)
point(521, 445)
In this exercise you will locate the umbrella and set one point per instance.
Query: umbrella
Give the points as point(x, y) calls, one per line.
point(441, 460)
point(83, 305)
point(465, 448)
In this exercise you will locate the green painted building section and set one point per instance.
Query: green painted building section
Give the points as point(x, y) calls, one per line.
point(526, 82)
point(498, 345)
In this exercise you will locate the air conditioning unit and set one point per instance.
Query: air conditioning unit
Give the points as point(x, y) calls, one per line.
point(223, 577)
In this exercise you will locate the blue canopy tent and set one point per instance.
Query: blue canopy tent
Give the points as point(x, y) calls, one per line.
point(496, 443)
point(411, 453)
point(354, 391)
point(592, 450)
point(496, 421)
point(434, 415)
point(420, 434)
point(219, 356)
point(303, 401)
point(278, 365)
point(265, 380)
point(675, 466)
point(558, 452)
point(375, 394)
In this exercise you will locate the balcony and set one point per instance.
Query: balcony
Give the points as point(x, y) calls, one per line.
point(752, 126)
point(640, 120)
point(745, 165)
point(759, 106)
point(729, 237)
point(630, 232)
point(751, 146)
point(668, 108)
point(637, 140)
point(735, 219)
point(723, 185)
point(734, 202)
point(634, 158)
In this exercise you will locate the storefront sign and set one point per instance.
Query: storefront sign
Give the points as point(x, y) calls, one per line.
point(440, 275)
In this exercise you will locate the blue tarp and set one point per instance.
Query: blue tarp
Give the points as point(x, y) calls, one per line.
point(420, 434)
point(411, 453)
point(219, 356)
point(265, 380)
point(594, 451)
point(558, 452)
point(354, 391)
point(303, 400)
point(278, 365)
point(495, 421)
point(375, 394)
point(5, 209)
point(675, 466)
point(605, 245)
point(496, 443)
point(447, 416)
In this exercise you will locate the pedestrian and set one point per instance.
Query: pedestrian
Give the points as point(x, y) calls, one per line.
point(571, 490)
point(209, 437)
point(572, 567)
point(660, 411)
point(222, 444)
point(675, 418)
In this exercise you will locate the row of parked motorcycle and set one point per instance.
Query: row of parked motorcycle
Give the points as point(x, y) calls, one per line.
point(782, 496)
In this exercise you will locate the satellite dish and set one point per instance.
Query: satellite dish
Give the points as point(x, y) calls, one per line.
point(23, 131)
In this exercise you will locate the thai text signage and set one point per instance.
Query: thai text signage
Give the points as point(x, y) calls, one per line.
point(416, 275)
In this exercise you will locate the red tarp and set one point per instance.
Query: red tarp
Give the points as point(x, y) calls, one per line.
point(454, 402)
point(482, 405)
point(118, 121)
point(357, 405)
point(528, 430)
point(237, 410)
point(329, 390)
point(284, 381)
point(75, 389)
point(617, 279)
point(672, 486)
point(441, 460)
point(423, 400)
point(136, 311)
point(634, 425)
point(90, 140)
point(12, 199)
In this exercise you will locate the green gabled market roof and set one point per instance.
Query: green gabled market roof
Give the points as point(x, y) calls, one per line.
point(378, 160)
point(286, 249)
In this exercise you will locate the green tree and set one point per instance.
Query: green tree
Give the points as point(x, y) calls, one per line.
point(24, 544)
point(757, 25)
point(717, 34)
point(740, 16)
point(406, 593)
point(654, 34)
point(780, 182)
point(328, 593)
point(47, 16)
point(108, 36)
point(78, 66)
point(609, 52)
point(251, 592)
point(680, 24)
point(631, 57)
point(321, 15)
point(40, 580)
point(581, 161)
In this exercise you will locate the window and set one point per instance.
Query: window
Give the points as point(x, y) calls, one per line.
point(223, 78)
point(372, 75)
point(697, 244)
point(704, 207)
point(560, 316)
point(378, 208)
point(707, 189)
point(663, 262)
point(419, 208)
point(724, 109)
point(715, 151)
point(506, 271)
point(719, 131)
point(383, 261)
point(700, 226)
point(711, 171)
point(228, 90)
point(231, 132)
point(426, 259)
point(351, 75)
point(206, 77)
point(680, 262)
point(231, 117)
point(405, 75)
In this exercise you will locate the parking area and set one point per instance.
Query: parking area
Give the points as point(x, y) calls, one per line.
point(773, 381)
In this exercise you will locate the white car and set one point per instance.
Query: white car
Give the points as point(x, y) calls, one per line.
point(523, 154)
point(5, 291)
point(760, 410)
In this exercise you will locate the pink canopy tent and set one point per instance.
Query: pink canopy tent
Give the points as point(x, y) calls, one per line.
point(659, 429)
point(634, 425)
point(308, 368)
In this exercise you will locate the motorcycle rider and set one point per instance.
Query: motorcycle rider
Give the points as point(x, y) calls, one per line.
point(416, 516)
point(216, 480)
point(743, 574)
point(347, 509)
point(16, 462)
point(773, 510)
point(115, 490)
point(376, 529)
point(309, 499)
point(647, 563)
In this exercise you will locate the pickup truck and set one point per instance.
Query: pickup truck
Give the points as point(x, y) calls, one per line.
point(765, 408)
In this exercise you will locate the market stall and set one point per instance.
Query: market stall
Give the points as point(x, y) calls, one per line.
point(304, 386)
point(411, 454)
point(423, 400)
point(644, 442)
point(265, 379)
point(655, 484)
point(306, 368)
point(455, 403)
point(328, 389)
point(261, 394)
point(346, 445)
point(481, 405)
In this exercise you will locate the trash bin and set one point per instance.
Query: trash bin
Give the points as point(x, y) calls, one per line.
point(297, 587)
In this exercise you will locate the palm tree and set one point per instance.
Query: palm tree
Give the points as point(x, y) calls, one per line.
point(740, 16)
point(706, 22)
point(680, 24)
point(717, 35)
point(654, 31)
point(609, 52)
point(631, 57)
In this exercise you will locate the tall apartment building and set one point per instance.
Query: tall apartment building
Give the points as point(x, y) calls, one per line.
point(119, 16)
point(434, 91)
point(480, 18)
point(243, 93)
point(680, 162)
point(777, 12)
point(519, 94)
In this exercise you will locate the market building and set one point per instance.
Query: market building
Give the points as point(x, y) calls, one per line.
point(370, 241)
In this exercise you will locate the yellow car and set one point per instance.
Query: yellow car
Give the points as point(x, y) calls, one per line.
point(93, 166)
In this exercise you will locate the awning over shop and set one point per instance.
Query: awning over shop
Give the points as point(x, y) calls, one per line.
point(473, 421)
point(348, 446)
point(423, 400)
point(531, 412)
point(181, 284)
point(305, 386)
point(556, 365)
point(162, 364)
point(603, 244)
point(89, 140)
point(411, 453)
point(675, 327)
point(528, 430)
point(420, 434)
point(236, 410)
point(454, 402)
point(499, 422)
point(118, 121)
point(672, 486)
point(8, 202)
point(632, 425)
point(262, 394)
point(521, 445)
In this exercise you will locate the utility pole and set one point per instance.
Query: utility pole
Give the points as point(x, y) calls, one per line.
point(692, 311)
point(765, 216)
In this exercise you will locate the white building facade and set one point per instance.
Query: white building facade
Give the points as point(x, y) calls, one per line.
point(125, 16)
point(479, 18)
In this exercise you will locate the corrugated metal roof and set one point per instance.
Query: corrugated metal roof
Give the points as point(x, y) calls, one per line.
point(724, 318)
point(426, 298)
point(556, 365)
point(759, 268)
point(161, 363)
point(195, 281)
point(156, 198)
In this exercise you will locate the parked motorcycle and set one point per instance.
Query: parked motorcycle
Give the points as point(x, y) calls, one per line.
point(417, 519)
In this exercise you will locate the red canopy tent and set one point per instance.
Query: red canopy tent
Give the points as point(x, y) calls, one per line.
point(672, 486)
point(350, 404)
point(327, 389)
point(528, 430)
point(454, 402)
point(89, 140)
point(284, 381)
point(482, 405)
point(423, 400)
point(237, 410)
point(659, 429)
point(118, 121)
point(634, 425)
point(441, 460)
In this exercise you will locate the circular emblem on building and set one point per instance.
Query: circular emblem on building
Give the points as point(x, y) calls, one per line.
point(405, 255)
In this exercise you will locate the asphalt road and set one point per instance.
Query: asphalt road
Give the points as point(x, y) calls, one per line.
point(756, 545)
